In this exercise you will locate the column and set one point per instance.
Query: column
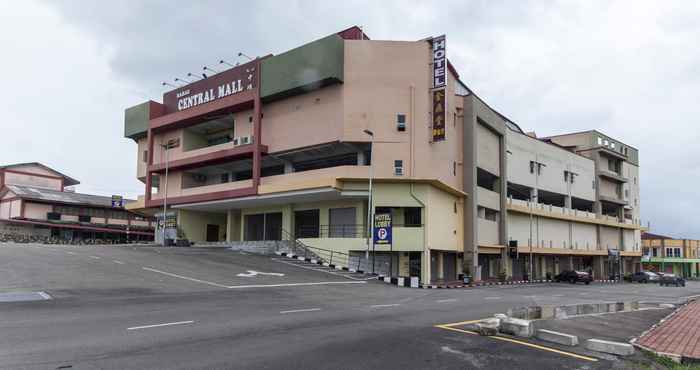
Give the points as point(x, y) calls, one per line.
point(441, 272)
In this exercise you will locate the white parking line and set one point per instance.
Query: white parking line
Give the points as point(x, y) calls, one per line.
point(185, 277)
point(160, 325)
point(118, 262)
point(301, 310)
point(384, 305)
point(95, 257)
point(446, 300)
point(71, 253)
point(492, 297)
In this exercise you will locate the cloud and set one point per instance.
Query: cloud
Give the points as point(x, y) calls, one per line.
point(627, 68)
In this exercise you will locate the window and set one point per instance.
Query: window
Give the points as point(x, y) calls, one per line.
point(398, 167)
point(566, 176)
point(219, 140)
point(455, 207)
point(654, 252)
point(412, 217)
point(669, 252)
point(612, 145)
point(606, 142)
point(401, 122)
point(627, 193)
point(677, 252)
point(490, 214)
point(600, 140)
point(250, 119)
point(224, 178)
point(84, 218)
point(532, 166)
point(53, 216)
point(454, 168)
point(145, 156)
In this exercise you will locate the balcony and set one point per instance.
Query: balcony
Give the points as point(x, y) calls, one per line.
point(206, 156)
point(324, 177)
point(612, 175)
point(487, 198)
point(545, 210)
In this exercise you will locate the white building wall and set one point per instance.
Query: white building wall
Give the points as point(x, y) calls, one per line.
point(524, 149)
point(488, 150)
point(609, 238)
point(584, 236)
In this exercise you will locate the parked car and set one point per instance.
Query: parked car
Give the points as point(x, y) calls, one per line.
point(573, 276)
point(671, 279)
point(645, 277)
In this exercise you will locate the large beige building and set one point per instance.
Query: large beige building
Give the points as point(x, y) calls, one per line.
point(281, 148)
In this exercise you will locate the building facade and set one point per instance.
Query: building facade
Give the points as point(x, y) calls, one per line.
point(666, 254)
point(36, 205)
point(282, 147)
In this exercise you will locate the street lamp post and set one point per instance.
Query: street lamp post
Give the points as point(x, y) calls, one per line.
point(165, 191)
point(370, 224)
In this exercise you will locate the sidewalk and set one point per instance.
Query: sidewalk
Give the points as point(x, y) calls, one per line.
point(677, 336)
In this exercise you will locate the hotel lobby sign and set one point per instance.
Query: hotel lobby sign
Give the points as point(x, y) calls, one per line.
point(439, 99)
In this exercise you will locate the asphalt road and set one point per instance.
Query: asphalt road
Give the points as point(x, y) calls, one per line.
point(189, 308)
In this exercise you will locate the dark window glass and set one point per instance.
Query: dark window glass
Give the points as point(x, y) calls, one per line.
point(412, 216)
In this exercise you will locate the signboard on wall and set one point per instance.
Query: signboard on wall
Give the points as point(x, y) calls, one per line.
point(229, 82)
point(439, 62)
point(117, 201)
point(439, 107)
point(438, 94)
point(382, 229)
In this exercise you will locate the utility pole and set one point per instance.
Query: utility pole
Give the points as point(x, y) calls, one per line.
point(165, 146)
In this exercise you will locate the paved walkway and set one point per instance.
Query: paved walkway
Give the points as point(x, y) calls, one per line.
point(678, 335)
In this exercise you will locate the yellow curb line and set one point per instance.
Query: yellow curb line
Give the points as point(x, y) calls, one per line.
point(543, 348)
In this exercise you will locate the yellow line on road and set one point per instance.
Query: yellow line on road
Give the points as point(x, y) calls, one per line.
point(543, 348)
point(461, 323)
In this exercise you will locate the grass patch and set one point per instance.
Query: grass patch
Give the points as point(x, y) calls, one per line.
point(653, 362)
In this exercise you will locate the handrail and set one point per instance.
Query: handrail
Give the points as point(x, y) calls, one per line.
point(325, 255)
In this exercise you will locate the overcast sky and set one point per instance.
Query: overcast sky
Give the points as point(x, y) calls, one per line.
point(630, 69)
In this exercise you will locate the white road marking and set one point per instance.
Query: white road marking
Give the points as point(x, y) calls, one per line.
point(44, 295)
point(492, 297)
point(301, 310)
point(95, 257)
point(186, 278)
point(295, 284)
point(557, 295)
point(118, 262)
point(446, 300)
point(384, 305)
point(72, 253)
point(252, 273)
point(160, 325)
point(251, 286)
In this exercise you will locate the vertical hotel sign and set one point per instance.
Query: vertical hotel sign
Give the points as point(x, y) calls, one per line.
point(439, 87)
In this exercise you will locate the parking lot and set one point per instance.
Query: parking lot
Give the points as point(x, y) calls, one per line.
point(151, 307)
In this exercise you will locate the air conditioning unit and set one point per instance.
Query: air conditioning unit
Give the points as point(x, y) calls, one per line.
point(236, 141)
point(246, 140)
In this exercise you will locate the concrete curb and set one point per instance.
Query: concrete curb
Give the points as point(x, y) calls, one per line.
point(314, 261)
point(485, 284)
point(556, 337)
point(605, 346)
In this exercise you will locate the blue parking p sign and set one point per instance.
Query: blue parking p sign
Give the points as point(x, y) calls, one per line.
point(382, 228)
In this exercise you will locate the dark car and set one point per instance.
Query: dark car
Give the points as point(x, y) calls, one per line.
point(671, 279)
point(573, 276)
point(644, 277)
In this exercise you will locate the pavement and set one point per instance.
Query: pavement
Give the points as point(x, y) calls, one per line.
point(678, 336)
point(192, 308)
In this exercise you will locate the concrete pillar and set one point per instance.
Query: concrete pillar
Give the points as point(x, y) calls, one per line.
point(567, 202)
point(288, 219)
point(425, 267)
point(441, 272)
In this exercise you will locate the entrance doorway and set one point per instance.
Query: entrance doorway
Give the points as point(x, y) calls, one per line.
point(212, 233)
point(307, 223)
point(263, 226)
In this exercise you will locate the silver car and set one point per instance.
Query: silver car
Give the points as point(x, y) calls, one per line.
point(645, 277)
